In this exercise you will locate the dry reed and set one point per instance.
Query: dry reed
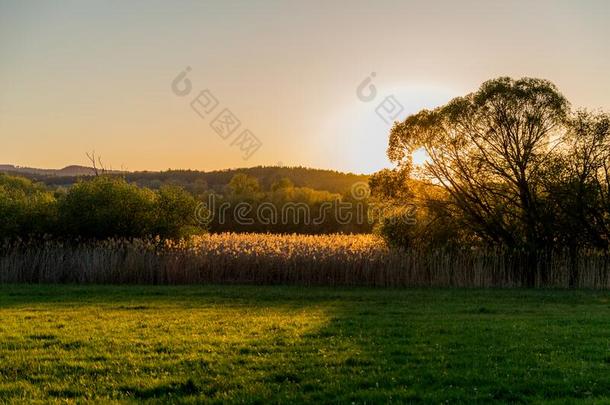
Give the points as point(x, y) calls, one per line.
point(329, 260)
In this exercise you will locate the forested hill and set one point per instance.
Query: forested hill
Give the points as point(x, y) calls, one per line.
point(319, 179)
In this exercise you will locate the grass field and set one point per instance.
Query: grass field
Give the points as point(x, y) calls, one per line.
point(293, 345)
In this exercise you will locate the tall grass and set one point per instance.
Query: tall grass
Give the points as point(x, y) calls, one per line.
point(330, 260)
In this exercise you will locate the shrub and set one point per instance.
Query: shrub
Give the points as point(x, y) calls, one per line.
point(107, 207)
point(175, 213)
point(396, 230)
point(26, 209)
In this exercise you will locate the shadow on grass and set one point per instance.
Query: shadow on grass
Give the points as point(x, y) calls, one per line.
point(180, 389)
point(354, 345)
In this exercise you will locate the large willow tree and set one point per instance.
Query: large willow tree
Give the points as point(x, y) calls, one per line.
point(490, 151)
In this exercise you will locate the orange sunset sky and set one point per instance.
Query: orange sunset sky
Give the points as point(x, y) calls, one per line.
point(77, 76)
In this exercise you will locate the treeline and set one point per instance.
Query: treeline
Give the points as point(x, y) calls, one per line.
point(317, 179)
point(98, 208)
point(244, 205)
point(510, 166)
point(198, 182)
point(258, 199)
point(106, 206)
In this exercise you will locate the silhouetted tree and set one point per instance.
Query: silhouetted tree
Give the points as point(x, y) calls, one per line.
point(488, 150)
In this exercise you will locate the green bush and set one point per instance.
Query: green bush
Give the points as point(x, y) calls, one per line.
point(111, 207)
point(176, 213)
point(107, 207)
point(396, 229)
point(26, 209)
point(421, 227)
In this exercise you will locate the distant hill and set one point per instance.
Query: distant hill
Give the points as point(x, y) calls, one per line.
point(193, 180)
point(68, 171)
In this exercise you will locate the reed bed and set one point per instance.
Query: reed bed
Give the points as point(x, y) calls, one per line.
point(327, 260)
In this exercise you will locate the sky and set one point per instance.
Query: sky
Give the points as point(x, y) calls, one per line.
point(315, 83)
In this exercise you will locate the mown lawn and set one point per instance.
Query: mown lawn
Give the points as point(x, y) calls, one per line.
point(292, 345)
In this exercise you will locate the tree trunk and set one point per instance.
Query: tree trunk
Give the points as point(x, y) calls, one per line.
point(573, 263)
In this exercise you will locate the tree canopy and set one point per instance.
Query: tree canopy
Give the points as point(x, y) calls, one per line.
point(514, 165)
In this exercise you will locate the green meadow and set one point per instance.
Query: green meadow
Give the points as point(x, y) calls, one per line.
point(245, 344)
